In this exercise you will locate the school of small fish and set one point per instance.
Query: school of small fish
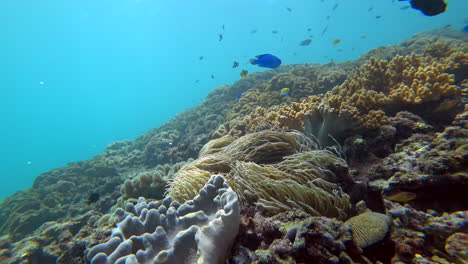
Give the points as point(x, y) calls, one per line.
point(427, 7)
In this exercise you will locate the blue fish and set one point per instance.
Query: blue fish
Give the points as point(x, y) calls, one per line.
point(266, 60)
point(465, 29)
point(239, 95)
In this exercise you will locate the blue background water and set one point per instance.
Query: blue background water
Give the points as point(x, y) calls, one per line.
point(112, 69)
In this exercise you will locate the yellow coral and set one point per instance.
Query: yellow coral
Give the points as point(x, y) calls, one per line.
point(376, 88)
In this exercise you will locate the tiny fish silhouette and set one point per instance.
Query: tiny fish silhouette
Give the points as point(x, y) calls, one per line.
point(324, 31)
point(336, 41)
point(305, 42)
point(220, 37)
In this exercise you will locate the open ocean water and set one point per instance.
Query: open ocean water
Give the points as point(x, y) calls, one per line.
point(76, 76)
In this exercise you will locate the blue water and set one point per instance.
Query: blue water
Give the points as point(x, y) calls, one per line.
point(77, 75)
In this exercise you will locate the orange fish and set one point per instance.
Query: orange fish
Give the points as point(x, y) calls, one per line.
point(336, 41)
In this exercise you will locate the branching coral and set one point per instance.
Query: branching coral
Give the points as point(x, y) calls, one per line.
point(373, 92)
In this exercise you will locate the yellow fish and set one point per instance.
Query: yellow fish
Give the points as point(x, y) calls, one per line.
point(284, 91)
point(244, 73)
point(400, 196)
point(336, 41)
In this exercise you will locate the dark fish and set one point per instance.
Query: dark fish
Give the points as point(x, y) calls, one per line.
point(92, 198)
point(212, 76)
point(335, 6)
point(200, 58)
point(327, 18)
point(266, 61)
point(274, 31)
point(197, 81)
point(222, 26)
point(243, 73)
point(465, 28)
point(305, 42)
point(324, 31)
point(289, 9)
point(428, 7)
point(253, 31)
point(235, 64)
point(309, 29)
point(404, 7)
point(220, 37)
point(239, 95)
point(370, 9)
point(378, 17)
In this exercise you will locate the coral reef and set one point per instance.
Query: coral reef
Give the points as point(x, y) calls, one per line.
point(415, 230)
point(372, 93)
point(150, 183)
point(386, 132)
point(198, 231)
